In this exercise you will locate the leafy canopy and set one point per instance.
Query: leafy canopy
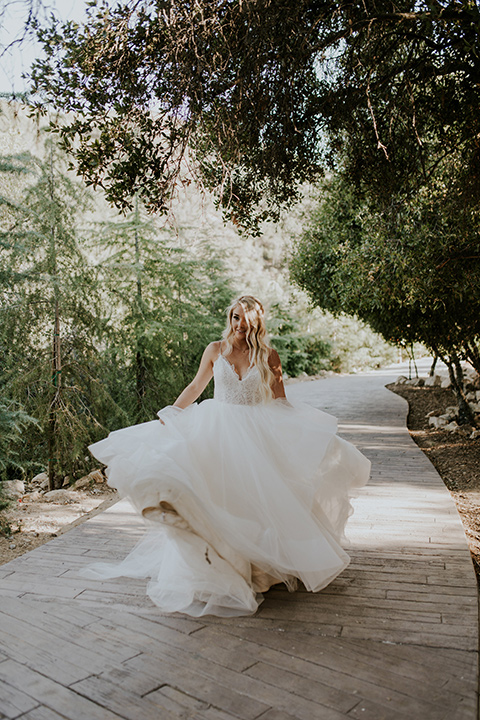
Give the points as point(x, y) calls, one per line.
point(253, 99)
point(412, 274)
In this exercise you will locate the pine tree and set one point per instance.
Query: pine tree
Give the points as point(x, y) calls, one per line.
point(49, 321)
point(165, 304)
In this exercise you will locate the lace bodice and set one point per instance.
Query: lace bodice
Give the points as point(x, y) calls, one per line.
point(230, 388)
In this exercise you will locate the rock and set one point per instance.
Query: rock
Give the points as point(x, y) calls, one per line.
point(44, 484)
point(451, 427)
point(433, 381)
point(12, 546)
point(450, 413)
point(471, 396)
point(437, 422)
point(474, 406)
point(82, 483)
point(97, 476)
point(14, 488)
point(465, 430)
point(445, 416)
point(401, 380)
point(475, 434)
point(66, 481)
point(416, 382)
point(60, 496)
point(430, 414)
point(33, 496)
point(41, 477)
point(452, 410)
point(446, 383)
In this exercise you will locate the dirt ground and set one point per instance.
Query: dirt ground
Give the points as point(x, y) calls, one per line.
point(455, 456)
point(34, 522)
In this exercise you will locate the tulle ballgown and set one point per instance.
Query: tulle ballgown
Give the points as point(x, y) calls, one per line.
point(238, 494)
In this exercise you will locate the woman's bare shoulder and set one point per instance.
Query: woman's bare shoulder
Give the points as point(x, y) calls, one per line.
point(273, 358)
point(214, 349)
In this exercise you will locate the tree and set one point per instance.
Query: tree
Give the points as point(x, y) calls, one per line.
point(163, 304)
point(413, 275)
point(49, 321)
point(256, 98)
point(13, 420)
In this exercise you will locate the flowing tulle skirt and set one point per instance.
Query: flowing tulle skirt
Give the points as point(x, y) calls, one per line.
point(237, 498)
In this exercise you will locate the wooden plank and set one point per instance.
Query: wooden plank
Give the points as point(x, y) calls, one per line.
point(228, 690)
point(415, 637)
point(154, 638)
point(51, 694)
point(184, 676)
point(54, 632)
point(363, 680)
point(306, 687)
point(126, 704)
point(359, 658)
point(369, 710)
point(274, 714)
point(14, 702)
point(42, 713)
point(31, 648)
point(182, 699)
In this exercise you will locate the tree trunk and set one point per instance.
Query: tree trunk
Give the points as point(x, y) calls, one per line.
point(56, 383)
point(473, 356)
point(433, 366)
point(465, 414)
point(140, 367)
point(140, 380)
point(56, 349)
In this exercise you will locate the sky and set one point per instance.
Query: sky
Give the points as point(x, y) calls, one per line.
point(18, 59)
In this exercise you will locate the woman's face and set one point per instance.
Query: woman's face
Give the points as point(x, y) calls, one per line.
point(239, 323)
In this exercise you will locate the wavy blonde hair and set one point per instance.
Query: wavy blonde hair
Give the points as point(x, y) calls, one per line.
point(256, 338)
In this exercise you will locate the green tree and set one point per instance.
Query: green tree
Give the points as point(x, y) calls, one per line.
point(259, 97)
point(165, 303)
point(49, 322)
point(412, 274)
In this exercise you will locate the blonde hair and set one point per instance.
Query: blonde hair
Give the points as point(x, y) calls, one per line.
point(256, 338)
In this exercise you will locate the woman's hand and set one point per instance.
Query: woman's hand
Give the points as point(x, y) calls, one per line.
point(167, 412)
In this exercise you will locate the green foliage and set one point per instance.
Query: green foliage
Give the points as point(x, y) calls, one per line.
point(310, 341)
point(299, 351)
point(262, 95)
point(13, 420)
point(168, 304)
point(413, 274)
point(97, 332)
point(49, 319)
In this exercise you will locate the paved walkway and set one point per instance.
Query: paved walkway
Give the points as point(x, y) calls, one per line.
point(393, 638)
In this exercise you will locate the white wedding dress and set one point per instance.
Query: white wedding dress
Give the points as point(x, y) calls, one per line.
point(239, 495)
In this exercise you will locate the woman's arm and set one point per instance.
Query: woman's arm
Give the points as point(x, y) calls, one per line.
point(278, 389)
point(201, 379)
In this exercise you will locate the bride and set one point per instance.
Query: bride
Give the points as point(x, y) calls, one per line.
point(240, 492)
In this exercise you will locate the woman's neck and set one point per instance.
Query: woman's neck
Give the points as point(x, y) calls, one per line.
point(242, 347)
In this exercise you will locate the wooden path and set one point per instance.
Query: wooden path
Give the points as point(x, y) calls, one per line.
point(393, 638)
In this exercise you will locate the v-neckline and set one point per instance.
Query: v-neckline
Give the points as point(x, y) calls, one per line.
point(240, 379)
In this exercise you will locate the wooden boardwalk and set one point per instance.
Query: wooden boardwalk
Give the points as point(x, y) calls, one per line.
point(393, 638)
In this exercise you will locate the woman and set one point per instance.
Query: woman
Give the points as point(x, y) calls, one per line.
point(242, 491)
